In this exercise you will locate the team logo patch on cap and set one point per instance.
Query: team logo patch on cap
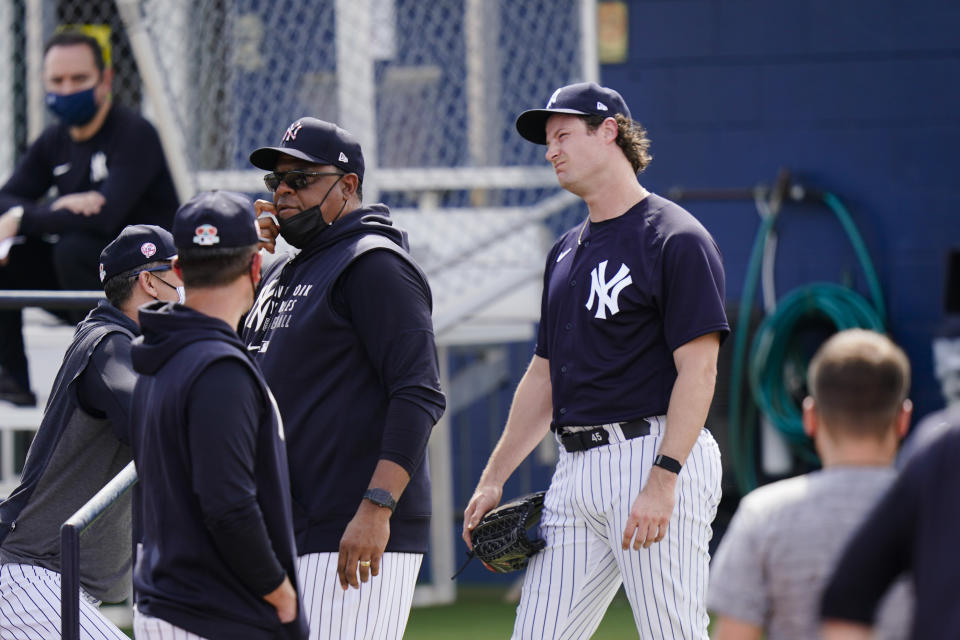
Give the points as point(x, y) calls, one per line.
point(553, 98)
point(103, 272)
point(292, 131)
point(206, 235)
point(148, 249)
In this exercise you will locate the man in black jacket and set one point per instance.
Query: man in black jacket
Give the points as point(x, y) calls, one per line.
point(83, 441)
point(218, 554)
point(108, 168)
point(343, 333)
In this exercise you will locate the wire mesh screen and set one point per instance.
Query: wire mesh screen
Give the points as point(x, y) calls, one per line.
point(448, 76)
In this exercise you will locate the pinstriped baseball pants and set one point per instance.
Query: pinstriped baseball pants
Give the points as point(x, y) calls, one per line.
point(378, 610)
point(30, 607)
point(568, 585)
point(149, 628)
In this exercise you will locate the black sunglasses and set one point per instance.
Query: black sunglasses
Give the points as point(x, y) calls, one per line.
point(295, 179)
point(163, 267)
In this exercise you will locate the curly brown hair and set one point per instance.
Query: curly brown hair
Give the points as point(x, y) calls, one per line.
point(631, 138)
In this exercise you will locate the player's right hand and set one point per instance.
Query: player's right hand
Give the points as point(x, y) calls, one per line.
point(267, 222)
point(484, 498)
point(284, 600)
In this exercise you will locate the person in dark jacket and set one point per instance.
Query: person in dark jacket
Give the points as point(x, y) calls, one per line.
point(83, 441)
point(344, 335)
point(911, 530)
point(217, 556)
point(109, 171)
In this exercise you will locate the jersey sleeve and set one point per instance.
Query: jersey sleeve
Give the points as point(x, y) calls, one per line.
point(380, 285)
point(224, 408)
point(105, 388)
point(31, 179)
point(692, 288)
point(738, 576)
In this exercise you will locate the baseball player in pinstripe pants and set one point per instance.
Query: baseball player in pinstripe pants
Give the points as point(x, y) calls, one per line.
point(623, 374)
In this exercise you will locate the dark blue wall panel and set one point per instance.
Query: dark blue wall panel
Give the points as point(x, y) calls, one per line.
point(858, 98)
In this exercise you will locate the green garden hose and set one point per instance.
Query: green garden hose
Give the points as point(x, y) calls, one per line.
point(840, 306)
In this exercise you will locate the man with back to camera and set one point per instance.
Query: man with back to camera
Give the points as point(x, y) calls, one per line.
point(82, 443)
point(217, 557)
point(344, 334)
point(773, 563)
point(109, 171)
point(623, 372)
point(913, 528)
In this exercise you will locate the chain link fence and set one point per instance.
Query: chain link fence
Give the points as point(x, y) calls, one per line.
point(430, 88)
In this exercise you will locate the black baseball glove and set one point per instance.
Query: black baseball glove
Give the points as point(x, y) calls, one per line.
point(502, 537)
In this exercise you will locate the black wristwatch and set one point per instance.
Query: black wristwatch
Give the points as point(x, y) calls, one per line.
point(668, 463)
point(381, 498)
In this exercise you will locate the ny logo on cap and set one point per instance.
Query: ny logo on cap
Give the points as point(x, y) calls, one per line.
point(148, 249)
point(292, 132)
point(206, 235)
point(553, 98)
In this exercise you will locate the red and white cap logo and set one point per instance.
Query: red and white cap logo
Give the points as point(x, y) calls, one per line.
point(206, 235)
point(148, 249)
point(103, 272)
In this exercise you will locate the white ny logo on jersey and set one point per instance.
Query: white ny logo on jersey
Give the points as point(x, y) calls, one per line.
point(605, 292)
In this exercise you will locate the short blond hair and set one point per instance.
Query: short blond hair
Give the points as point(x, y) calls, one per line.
point(859, 380)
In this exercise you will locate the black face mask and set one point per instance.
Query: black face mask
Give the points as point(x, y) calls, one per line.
point(302, 229)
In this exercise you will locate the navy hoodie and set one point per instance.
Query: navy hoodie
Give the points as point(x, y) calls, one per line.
point(183, 446)
point(343, 334)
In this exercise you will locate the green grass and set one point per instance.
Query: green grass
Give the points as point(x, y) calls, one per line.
point(481, 614)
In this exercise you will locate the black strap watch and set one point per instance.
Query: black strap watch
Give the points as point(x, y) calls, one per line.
point(381, 498)
point(666, 462)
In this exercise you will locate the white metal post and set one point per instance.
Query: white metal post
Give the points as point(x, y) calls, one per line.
point(441, 554)
point(356, 92)
point(588, 40)
point(170, 135)
point(7, 141)
point(34, 54)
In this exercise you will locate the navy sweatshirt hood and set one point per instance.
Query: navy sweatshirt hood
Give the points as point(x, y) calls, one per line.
point(167, 327)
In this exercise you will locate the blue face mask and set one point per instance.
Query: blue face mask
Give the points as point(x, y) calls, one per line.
point(74, 109)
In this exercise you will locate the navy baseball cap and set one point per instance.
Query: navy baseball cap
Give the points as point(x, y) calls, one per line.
point(314, 140)
point(137, 245)
point(582, 99)
point(216, 219)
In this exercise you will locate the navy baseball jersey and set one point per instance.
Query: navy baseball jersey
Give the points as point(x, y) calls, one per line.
point(619, 297)
point(123, 160)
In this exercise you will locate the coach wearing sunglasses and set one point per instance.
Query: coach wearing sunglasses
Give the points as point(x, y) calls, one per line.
point(343, 333)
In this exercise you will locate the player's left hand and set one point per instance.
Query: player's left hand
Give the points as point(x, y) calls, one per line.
point(363, 541)
point(84, 203)
point(267, 223)
point(650, 513)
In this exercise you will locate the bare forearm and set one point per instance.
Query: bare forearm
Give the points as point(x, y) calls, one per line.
point(691, 397)
point(844, 630)
point(733, 629)
point(390, 476)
